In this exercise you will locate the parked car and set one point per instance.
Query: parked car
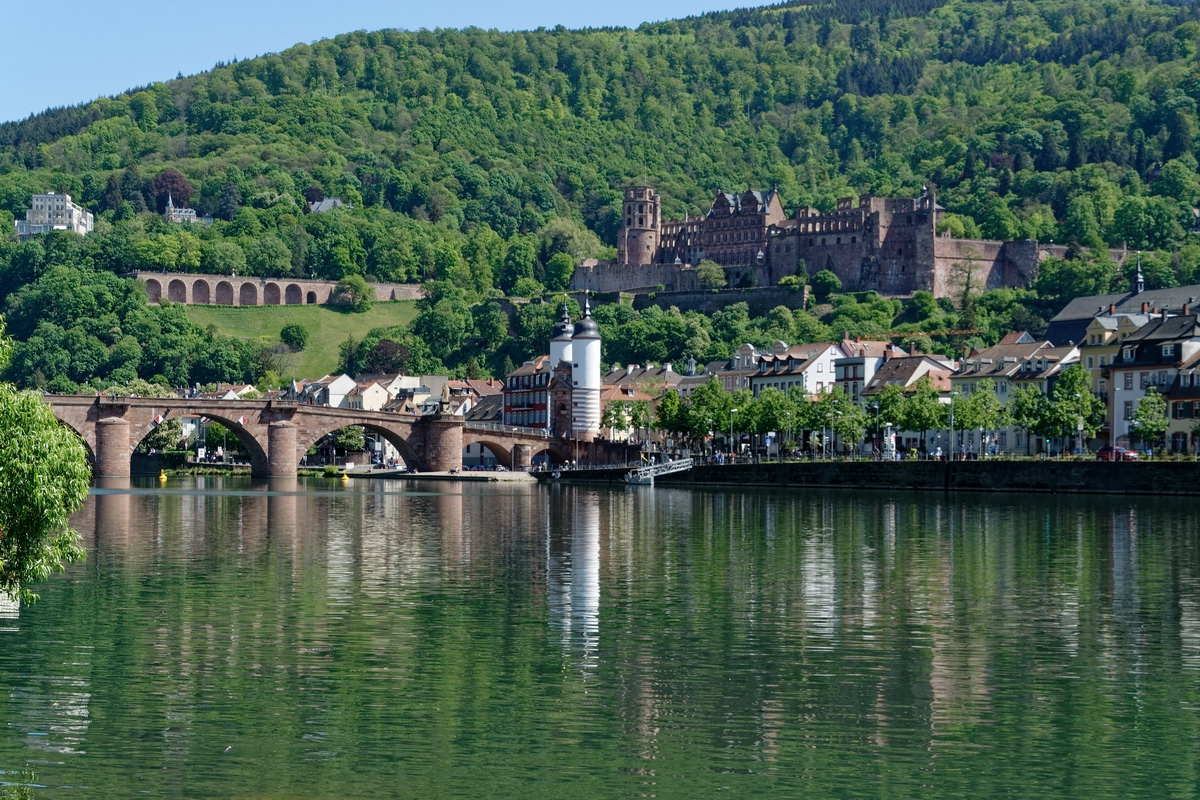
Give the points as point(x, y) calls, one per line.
point(1116, 454)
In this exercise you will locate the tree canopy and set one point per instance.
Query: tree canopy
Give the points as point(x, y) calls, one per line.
point(44, 480)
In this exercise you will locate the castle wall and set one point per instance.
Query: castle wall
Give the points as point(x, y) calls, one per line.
point(708, 301)
point(607, 276)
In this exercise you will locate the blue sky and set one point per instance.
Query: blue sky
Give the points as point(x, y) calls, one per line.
point(88, 50)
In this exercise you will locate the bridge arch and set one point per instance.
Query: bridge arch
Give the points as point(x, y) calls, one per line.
point(504, 455)
point(255, 448)
point(314, 434)
point(224, 293)
point(293, 295)
point(200, 292)
point(153, 290)
point(271, 294)
point(88, 444)
point(177, 291)
point(248, 294)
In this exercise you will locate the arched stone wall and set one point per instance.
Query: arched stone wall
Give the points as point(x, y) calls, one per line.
point(153, 291)
point(248, 295)
point(271, 295)
point(224, 293)
point(311, 299)
point(200, 292)
point(293, 295)
point(177, 291)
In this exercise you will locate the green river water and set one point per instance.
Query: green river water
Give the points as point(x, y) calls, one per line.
point(230, 639)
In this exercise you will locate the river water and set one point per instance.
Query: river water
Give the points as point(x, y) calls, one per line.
point(226, 639)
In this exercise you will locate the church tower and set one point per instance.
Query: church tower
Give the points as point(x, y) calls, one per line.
point(641, 227)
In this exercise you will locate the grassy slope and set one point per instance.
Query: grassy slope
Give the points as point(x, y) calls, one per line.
point(327, 328)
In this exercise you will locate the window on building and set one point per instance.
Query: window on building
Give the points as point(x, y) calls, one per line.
point(1089, 362)
point(1168, 350)
point(1128, 380)
point(1128, 409)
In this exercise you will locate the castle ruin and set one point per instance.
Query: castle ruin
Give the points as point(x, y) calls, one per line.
point(889, 245)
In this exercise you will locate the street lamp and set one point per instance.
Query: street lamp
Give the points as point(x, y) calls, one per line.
point(950, 455)
point(875, 439)
point(732, 411)
point(789, 427)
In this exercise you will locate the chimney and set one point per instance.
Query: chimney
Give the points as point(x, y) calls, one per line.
point(1145, 307)
point(1112, 309)
point(1187, 309)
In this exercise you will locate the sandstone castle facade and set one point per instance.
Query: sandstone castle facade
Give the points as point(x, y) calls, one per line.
point(889, 245)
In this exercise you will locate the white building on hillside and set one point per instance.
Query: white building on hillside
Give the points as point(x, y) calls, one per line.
point(54, 212)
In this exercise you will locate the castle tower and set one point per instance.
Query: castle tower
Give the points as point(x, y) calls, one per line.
point(641, 227)
point(585, 377)
point(560, 341)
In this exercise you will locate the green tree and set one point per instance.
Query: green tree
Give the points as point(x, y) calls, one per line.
point(710, 274)
point(980, 410)
point(444, 325)
point(559, 270)
point(295, 336)
point(44, 480)
point(1073, 406)
point(354, 292)
point(1150, 419)
point(671, 414)
point(839, 414)
point(1029, 410)
point(825, 283)
point(923, 409)
point(615, 418)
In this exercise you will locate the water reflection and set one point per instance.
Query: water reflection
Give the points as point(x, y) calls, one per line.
point(319, 640)
point(573, 573)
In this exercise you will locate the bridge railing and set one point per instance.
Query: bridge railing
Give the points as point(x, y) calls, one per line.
point(533, 433)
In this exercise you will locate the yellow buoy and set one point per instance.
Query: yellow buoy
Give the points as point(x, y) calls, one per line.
point(345, 478)
point(162, 475)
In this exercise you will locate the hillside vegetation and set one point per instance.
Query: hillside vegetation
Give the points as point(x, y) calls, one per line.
point(328, 329)
point(490, 162)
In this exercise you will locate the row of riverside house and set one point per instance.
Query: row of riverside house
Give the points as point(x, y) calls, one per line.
point(1129, 342)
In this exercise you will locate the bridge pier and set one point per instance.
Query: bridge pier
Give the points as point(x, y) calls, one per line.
point(282, 457)
point(112, 448)
point(443, 440)
point(521, 457)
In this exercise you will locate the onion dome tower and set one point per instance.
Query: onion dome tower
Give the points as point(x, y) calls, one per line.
point(585, 377)
point(560, 340)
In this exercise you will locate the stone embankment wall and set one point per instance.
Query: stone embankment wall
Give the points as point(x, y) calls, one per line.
point(1045, 477)
point(231, 290)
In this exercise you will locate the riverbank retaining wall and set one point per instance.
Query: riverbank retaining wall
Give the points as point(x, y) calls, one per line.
point(1043, 477)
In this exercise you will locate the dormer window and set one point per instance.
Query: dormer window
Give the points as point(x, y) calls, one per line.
point(1168, 350)
point(1127, 354)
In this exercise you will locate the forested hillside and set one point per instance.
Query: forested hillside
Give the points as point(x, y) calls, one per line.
point(491, 161)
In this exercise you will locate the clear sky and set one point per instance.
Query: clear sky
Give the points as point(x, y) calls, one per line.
point(65, 54)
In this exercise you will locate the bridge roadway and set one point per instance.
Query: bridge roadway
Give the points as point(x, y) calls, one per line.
point(277, 433)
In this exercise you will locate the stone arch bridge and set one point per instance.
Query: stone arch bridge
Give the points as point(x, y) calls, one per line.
point(278, 433)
